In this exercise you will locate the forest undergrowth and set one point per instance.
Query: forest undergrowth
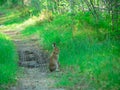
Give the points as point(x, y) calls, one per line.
point(89, 50)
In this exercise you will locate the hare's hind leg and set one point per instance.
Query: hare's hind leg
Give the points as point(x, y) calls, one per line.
point(57, 66)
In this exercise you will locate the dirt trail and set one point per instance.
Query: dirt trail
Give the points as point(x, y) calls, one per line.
point(34, 62)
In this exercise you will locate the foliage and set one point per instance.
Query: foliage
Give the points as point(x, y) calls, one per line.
point(10, 3)
point(8, 61)
point(82, 49)
point(82, 29)
point(97, 8)
point(2, 2)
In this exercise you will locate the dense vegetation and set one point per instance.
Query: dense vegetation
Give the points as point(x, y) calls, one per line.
point(84, 50)
point(8, 61)
point(87, 34)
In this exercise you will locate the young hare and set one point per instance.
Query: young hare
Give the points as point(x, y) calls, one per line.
point(54, 64)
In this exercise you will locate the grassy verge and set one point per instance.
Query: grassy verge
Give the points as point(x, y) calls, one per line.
point(8, 62)
point(89, 58)
point(17, 15)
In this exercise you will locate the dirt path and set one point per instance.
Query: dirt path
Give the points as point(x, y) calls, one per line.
point(34, 62)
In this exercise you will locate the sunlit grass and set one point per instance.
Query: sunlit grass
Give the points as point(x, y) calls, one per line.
point(8, 15)
point(21, 23)
point(89, 50)
point(83, 46)
point(8, 61)
point(19, 26)
point(88, 57)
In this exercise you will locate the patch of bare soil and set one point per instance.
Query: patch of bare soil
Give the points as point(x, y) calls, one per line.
point(34, 62)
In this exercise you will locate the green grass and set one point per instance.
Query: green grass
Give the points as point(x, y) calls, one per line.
point(89, 49)
point(89, 57)
point(8, 61)
point(15, 16)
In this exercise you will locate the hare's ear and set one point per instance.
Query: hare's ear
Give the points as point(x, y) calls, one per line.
point(53, 45)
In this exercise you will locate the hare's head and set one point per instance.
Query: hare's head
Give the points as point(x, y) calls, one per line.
point(55, 49)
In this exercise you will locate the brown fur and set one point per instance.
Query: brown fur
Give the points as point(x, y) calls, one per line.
point(53, 64)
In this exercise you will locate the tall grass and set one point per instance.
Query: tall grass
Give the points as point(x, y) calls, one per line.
point(8, 61)
point(85, 49)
